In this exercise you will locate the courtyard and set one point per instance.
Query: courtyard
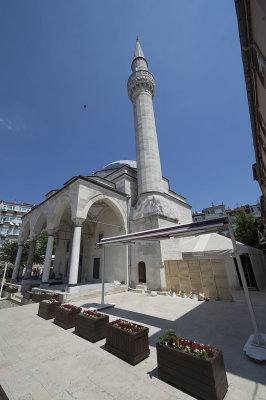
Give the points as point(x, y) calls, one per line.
point(39, 360)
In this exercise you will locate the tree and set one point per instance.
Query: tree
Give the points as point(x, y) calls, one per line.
point(8, 251)
point(246, 228)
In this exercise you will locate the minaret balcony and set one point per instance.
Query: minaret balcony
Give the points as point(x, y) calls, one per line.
point(140, 81)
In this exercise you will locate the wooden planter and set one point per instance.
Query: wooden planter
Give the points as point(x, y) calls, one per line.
point(132, 348)
point(38, 297)
point(11, 290)
point(92, 329)
point(47, 310)
point(65, 319)
point(28, 295)
point(54, 296)
point(204, 378)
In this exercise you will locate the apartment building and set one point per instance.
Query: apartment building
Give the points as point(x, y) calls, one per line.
point(10, 219)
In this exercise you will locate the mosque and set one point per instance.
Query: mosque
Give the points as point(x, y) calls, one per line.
point(124, 196)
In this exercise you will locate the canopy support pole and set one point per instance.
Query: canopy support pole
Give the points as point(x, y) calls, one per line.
point(3, 281)
point(256, 344)
point(103, 267)
point(103, 304)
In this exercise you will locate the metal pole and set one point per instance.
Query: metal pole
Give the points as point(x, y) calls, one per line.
point(103, 267)
point(128, 271)
point(3, 280)
point(257, 337)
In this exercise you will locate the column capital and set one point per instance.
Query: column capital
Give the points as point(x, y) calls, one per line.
point(78, 221)
point(51, 232)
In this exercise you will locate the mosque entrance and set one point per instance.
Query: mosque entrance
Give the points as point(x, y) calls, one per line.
point(142, 272)
point(96, 268)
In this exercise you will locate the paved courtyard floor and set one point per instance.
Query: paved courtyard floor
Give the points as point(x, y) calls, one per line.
point(39, 360)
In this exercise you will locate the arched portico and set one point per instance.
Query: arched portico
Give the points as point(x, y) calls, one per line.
point(101, 217)
point(77, 224)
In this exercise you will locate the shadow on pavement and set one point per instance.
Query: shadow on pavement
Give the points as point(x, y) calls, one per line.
point(223, 325)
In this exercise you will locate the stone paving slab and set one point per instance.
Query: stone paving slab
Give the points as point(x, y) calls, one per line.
point(39, 360)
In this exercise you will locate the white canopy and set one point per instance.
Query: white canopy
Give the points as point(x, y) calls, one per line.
point(211, 244)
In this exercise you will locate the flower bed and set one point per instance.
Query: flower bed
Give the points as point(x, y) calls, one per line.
point(196, 368)
point(127, 340)
point(47, 308)
point(65, 315)
point(91, 325)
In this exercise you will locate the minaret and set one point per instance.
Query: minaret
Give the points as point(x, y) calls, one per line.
point(141, 89)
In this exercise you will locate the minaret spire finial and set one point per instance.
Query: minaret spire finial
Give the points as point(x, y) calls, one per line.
point(138, 50)
point(139, 61)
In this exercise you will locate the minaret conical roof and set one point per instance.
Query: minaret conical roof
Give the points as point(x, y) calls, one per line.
point(138, 50)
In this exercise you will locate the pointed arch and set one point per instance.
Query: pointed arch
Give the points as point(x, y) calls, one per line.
point(39, 224)
point(24, 231)
point(114, 205)
point(58, 211)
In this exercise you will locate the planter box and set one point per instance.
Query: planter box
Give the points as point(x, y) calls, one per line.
point(11, 290)
point(38, 297)
point(66, 319)
point(47, 310)
point(27, 295)
point(132, 348)
point(92, 329)
point(204, 378)
point(52, 296)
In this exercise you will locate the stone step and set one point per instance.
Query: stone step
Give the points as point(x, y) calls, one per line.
point(141, 287)
point(136, 290)
point(16, 297)
point(86, 294)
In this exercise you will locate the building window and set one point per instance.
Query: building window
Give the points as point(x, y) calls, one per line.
point(100, 236)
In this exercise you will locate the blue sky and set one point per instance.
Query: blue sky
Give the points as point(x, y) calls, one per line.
point(58, 55)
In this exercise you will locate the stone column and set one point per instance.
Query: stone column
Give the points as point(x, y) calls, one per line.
point(47, 260)
point(74, 263)
point(17, 263)
point(30, 259)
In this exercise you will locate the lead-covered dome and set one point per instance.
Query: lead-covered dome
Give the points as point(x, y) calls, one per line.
point(121, 163)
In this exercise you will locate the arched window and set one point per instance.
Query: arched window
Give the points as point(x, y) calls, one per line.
point(142, 272)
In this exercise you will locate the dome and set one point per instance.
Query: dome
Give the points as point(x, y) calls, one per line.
point(121, 163)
